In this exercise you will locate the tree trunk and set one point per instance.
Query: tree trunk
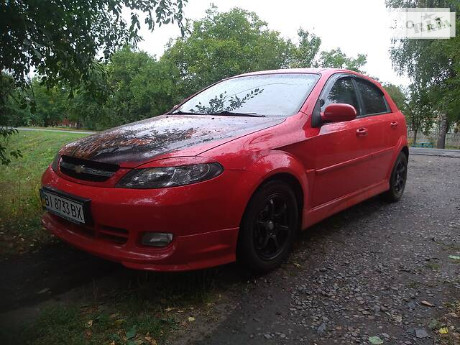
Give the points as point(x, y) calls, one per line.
point(443, 127)
point(415, 138)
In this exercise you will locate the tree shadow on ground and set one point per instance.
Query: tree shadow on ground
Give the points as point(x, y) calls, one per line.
point(58, 268)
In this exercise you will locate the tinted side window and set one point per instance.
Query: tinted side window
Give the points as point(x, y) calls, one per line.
point(343, 91)
point(373, 98)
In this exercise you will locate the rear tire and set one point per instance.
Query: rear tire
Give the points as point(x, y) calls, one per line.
point(397, 179)
point(268, 228)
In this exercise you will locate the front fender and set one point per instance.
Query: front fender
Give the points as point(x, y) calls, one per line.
point(265, 167)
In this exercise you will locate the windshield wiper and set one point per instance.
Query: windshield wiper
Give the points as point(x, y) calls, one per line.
point(180, 112)
point(231, 113)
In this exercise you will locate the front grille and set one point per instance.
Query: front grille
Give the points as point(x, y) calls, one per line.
point(87, 170)
point(102, 232)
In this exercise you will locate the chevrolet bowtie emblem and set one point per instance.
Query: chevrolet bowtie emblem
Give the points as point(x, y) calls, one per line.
point(79, 169)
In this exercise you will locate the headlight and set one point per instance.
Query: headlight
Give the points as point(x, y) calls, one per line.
point(170, 176)
point(55, 163)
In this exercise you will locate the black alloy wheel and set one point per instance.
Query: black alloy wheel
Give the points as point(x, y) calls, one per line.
point(398, 179)
point(269, 227)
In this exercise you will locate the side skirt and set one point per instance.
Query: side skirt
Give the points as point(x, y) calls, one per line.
point(323, 211)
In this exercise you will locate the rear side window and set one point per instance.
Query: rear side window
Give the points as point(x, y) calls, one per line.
point(373, 98)
point(343, 91)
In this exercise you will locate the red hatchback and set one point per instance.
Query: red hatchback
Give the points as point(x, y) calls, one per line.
point(232, 173)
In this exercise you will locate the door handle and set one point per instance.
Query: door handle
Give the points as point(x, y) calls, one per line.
point(361, 132)
point(394, 124)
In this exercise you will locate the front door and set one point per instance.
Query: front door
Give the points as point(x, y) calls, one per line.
point(342, 152)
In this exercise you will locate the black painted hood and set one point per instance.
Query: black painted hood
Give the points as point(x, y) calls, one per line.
point(141, 141)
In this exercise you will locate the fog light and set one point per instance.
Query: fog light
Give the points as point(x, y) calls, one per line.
point(156, 239)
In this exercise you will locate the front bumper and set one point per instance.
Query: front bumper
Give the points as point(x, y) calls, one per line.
point(184, 253)
point(203, 219)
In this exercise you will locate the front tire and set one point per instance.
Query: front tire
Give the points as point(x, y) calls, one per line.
point(397, 180)
point(268, 228)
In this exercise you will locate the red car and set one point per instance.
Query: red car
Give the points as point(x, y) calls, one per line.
point(232, 173)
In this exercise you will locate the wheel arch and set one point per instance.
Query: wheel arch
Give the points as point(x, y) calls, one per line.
point(285, 168)
point(243, 253)
point(400, 147)
point(294, 184)
point(405, 150)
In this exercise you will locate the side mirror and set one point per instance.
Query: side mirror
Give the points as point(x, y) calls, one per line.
point(338, 112)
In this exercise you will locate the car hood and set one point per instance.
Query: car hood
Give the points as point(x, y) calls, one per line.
point(142, 141)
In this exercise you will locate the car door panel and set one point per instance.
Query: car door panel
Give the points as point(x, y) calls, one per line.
point(376, 108)
point(350, 157)
point(344, 159)
point(339, 156)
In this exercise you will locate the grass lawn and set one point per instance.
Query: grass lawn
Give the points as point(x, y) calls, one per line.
point(118, 324)
point(142, 308)
point(139, 308)
point(20, 208)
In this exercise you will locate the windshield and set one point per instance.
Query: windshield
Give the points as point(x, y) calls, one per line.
point(258, 95)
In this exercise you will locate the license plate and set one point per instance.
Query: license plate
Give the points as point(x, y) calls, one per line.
point(66, 207)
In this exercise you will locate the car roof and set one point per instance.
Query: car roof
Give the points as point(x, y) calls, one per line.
point(323, 71)
point(299, 70)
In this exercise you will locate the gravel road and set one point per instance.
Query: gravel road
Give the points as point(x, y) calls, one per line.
point(376, 273)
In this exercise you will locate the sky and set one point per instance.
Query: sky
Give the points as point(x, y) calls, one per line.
point(356, 26)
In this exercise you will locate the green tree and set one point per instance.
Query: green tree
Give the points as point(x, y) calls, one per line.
point(225, 44)
point(337, 59)
point(51, 104)
point(397, 95)
point(433, 64)
point(13, 102)
point(87, 106)
point(6, 92)
point(419, 110)
point(141, 87)
point(307, 50)
point(60, 39)
point(130, 87)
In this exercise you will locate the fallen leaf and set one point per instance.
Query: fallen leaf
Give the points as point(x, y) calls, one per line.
point(150, 340)
point(454, 257)
point(169, 309)
point(296, 264)
point(191, 319)
point(375, 340)
point(118, 322)
point(443, 330)
point(426, 303)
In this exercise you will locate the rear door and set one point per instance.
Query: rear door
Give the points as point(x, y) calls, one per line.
point(377, 113)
